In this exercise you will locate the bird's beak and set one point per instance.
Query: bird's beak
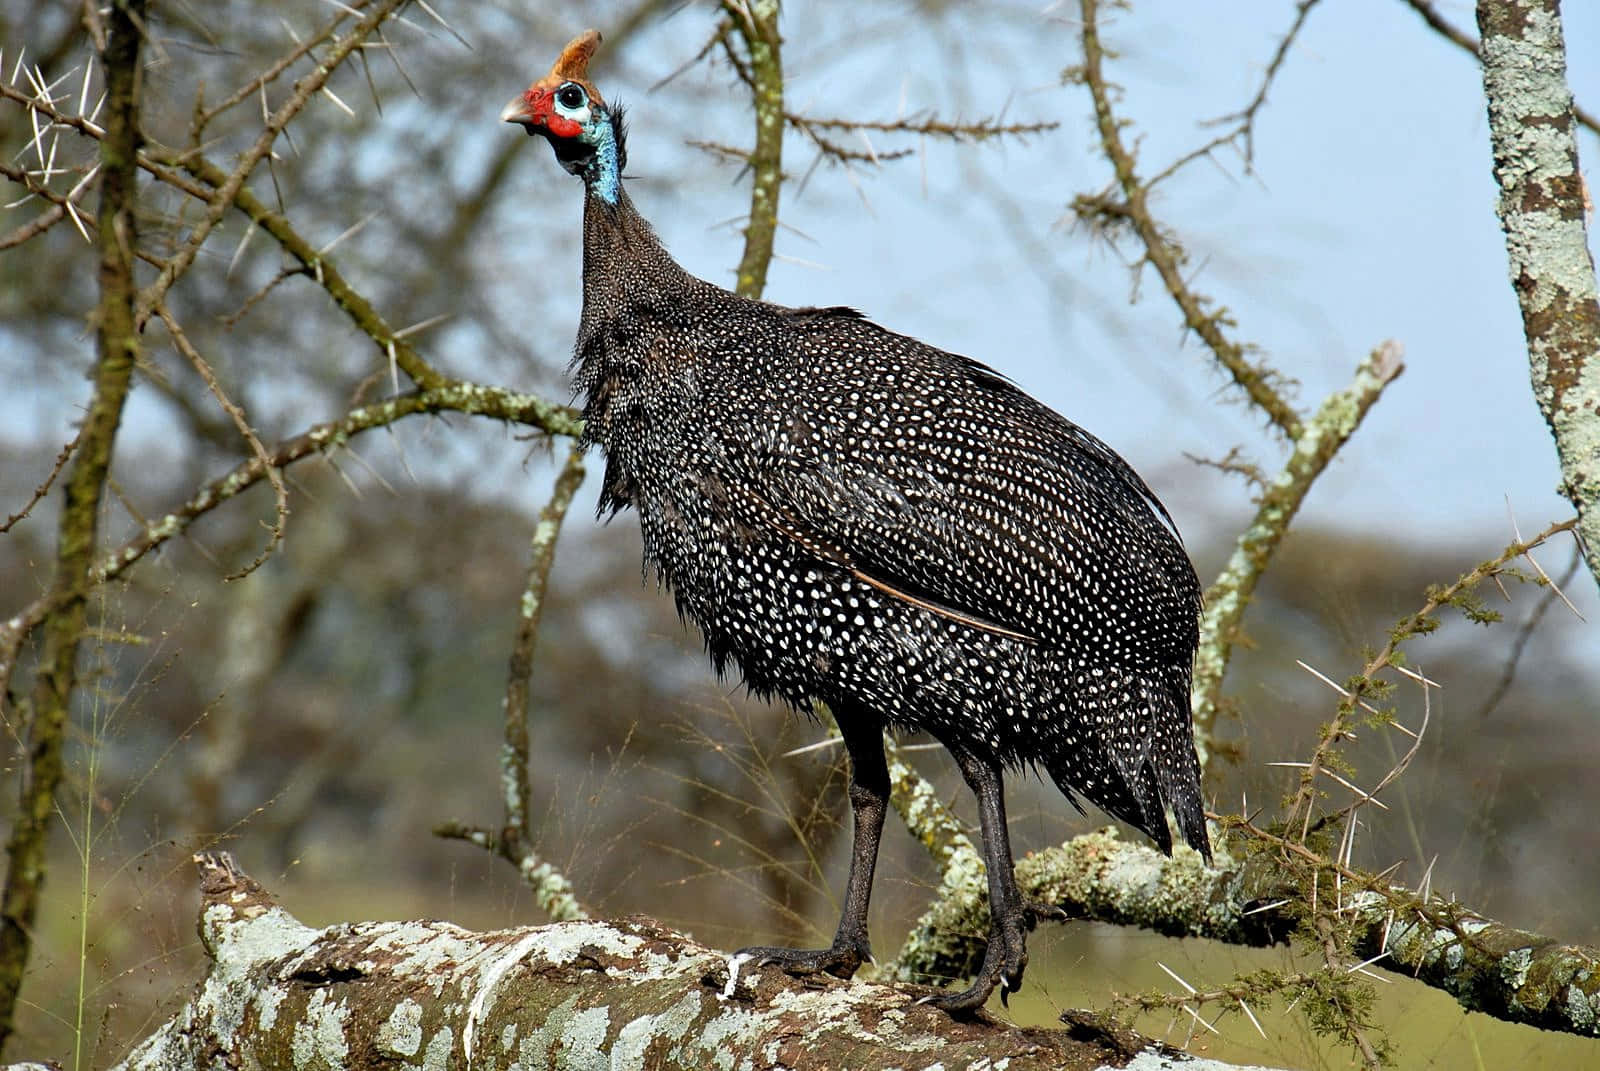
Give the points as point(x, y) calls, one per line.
point(518, 111)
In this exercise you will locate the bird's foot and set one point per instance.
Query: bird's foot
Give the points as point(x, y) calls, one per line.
point(1004, 960)
point(1038, 911)
point(839, 960)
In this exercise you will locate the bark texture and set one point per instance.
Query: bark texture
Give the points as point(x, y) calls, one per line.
point(1543, 207)
point(581, 994)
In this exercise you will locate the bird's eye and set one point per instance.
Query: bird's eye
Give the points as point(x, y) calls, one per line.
point(570, 96)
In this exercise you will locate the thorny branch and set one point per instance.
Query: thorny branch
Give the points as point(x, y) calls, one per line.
point(116, 350)
point(1130, 207)
point(229, 189)
point(1361, 691)
point(470, 398)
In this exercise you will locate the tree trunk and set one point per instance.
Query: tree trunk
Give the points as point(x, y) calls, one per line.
point(1544, 207)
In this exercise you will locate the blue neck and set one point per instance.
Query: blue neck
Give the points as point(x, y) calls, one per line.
point(602, 176)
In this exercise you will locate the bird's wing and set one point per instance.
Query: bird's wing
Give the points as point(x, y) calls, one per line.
point(939, 482)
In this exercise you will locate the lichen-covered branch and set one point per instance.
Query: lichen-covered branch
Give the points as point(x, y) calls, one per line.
point(757, 23)
point(117, 348)
point(514, 842)
point(1543, 208)
point(1229, 595)
point(1502, 971)
point(582, 994)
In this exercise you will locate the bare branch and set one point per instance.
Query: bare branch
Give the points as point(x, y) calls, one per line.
point(1246, 117)
point(43, 488)
point(280, 493)
point(1164, 254)
point(230, 188)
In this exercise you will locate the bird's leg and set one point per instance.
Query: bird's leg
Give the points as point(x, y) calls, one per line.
point(869, 797)
point(1010, 918)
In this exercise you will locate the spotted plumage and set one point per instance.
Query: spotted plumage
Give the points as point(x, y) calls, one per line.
point(852, 516)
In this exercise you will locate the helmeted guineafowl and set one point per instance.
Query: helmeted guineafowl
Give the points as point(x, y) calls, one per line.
point(852, 516)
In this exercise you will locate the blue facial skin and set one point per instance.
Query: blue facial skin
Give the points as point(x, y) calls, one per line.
point(601, 172)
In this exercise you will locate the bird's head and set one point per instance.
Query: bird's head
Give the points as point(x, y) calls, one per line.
point(567, 110)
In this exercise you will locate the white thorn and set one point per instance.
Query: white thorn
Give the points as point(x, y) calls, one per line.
point(342, 106)
point(1253, 1021)
point(826, 742)
point(1173, 975)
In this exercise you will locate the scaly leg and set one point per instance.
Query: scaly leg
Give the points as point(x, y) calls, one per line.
point(869, 797)
point(1011, 918)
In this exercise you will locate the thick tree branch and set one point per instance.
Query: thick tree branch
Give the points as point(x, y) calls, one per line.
point(117, 348)
point(569, 995)
point(1543, 208)
point(1502, 971)
point(1464, 41)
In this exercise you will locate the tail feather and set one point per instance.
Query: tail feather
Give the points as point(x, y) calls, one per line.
point(1129, 750)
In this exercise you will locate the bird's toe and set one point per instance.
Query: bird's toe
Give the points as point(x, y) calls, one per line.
point(841, 961)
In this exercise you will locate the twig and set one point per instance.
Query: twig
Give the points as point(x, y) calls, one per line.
point(203, 118)
point(43, 488)
point(1162, 252)
point(1508, 674)
point(1246, 117)
point(280, 493)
